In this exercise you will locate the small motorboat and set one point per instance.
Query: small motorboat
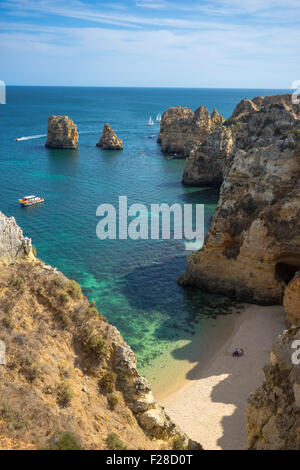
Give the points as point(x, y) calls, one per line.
point(17, 139)
point(150, 122)
point(30, 200)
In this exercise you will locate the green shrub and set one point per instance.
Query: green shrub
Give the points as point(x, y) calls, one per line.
point(98, 346)
point(29, 368)
point(94, 343)
point(64, 394)
point(58, 282)
point(113, 401)
point(6, 322)
point(18, 282)
point(64, 441)
point(74, 290)
point(64, 298)
point(107, 383)
point(13, 419)
point(114, 442)
point(232, 122)
point(179, 443)
point(92, 311)
point(277, 132)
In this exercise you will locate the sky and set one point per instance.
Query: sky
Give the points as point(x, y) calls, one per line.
point(167, 43)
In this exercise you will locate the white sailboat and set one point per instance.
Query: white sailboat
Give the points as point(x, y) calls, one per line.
point(158, 117)
point(150, 122)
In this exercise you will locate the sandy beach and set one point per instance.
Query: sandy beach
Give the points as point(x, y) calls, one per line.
point(210, 403)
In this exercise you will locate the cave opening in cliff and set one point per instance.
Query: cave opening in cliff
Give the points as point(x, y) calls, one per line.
point(286, 271)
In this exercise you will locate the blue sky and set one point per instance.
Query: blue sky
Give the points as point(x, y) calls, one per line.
point(217, 43)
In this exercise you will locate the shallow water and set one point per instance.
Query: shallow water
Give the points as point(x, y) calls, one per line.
point(132, 282)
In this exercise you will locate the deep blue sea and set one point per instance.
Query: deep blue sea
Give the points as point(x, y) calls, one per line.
point(132, 282)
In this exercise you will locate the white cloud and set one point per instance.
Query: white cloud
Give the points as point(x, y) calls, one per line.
point(115, 47)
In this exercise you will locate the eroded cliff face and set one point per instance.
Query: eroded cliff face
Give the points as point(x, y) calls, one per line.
point(13, 245)
point(273, 410)
point(206, 162)
point(252, 249)
point(109, 139)
point(62, 133)
point(181, 129)
point(291, 300)
point(69, 379)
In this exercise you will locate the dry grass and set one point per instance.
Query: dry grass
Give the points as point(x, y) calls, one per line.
point(58, 346)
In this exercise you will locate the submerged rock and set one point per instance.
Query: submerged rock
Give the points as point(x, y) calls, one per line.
point(252, 248)
point(62, 133)
point(109, 139)
point(273, 410)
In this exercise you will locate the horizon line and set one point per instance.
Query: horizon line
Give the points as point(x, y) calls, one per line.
point(148, 87)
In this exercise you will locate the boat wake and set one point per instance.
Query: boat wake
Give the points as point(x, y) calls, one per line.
point(29, 137)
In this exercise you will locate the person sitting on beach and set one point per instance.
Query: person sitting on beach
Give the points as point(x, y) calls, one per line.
point(238, 352)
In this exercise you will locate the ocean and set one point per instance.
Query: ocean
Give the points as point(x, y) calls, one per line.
point(132, 282)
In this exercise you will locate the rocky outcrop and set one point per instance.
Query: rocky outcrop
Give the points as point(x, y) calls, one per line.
point(181, 129)
point(109, 139)
point(206, 162)
point(252, 249)
point(273, 410)
point(62, 133)
point(291, 300)
point(13, 245)
point(70, 379)
point(242, 108)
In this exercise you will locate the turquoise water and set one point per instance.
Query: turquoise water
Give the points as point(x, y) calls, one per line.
point(132, 282)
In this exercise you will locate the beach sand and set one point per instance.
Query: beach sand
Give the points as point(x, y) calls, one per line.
point(209, 405)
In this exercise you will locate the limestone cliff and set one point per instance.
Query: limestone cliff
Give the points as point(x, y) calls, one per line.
point(62, 133)
point(273, 410)
point(13, 245)
point(206, 162)
point(70, 380)
point(181, 129)
point(252, 249)
point(291, 300)
point(109, 139)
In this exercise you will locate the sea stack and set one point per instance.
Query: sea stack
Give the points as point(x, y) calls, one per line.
point(62, 133)
point(109, 139)
point(180, 129)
